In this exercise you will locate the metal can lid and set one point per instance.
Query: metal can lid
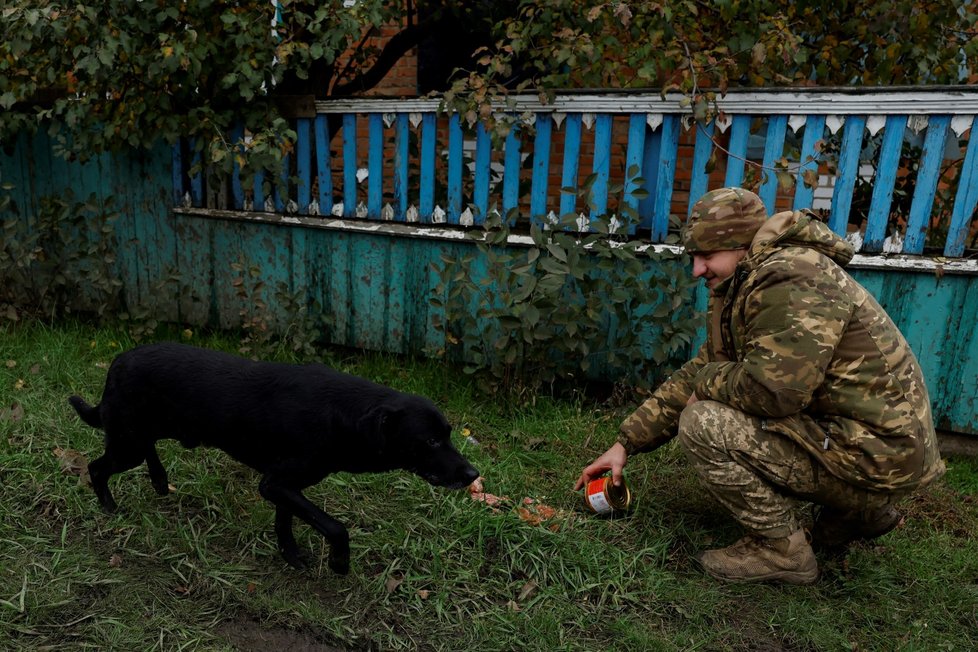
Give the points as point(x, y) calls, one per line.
point(619, 497)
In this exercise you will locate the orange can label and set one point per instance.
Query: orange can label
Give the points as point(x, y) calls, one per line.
point(602, 496)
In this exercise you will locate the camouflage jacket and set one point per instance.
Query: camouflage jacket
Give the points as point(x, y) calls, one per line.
point(795, 341)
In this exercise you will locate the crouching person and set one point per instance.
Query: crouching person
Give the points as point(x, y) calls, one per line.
point(805, 392)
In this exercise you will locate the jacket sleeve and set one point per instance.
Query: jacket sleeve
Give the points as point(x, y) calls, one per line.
point(794, 317)
point(656, 421)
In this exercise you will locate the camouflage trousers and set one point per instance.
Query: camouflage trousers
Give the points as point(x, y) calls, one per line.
point(762, 478)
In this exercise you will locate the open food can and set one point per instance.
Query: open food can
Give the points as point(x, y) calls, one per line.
point(601, 496)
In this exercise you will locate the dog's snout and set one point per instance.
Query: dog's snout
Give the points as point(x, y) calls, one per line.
point(469, 474)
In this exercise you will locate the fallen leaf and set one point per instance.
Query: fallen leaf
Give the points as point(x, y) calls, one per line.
point(19, 384)
point(11, 364)
point(392, 583)
point(181, 589)
point(423, 593)
point(251, 587)
point(35, 369)
point(14, 413)
point(102, 365)
point(513, 606)
point(171, 488)
point(115, 561)
point(72, 462)
point(528, 589)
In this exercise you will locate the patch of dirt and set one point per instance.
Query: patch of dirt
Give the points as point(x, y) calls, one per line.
point(247, 635)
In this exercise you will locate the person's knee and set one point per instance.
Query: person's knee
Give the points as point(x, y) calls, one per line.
point(699, 426)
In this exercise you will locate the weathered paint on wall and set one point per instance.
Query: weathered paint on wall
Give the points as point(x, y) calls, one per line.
point(937, 315)
point(373, 288)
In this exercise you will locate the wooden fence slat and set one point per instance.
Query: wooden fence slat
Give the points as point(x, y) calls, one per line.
point(349, 164)
point(177, 178)
point(966, 197)
point(196, 180)
point(401, 162)
point(773, 151)
point(845, 183)
point(883, 183)
point(237, 145)
point(480, 190)
point(375, 162)
point(541, 166)
point(303, 163)
point(426, 202)
point(668, 155)
point(737, 151)
point(700, 179)
point(455, 154)
point(280, 191)
point(650, 172)
point(929, 172)
point(633, 168)
point(601, 165)
point(511, 171)
point(258, 191)
point(572, 154)
point(324, 169)
point(814, 128)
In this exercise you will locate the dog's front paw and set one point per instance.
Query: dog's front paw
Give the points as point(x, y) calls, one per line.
point(339, 564)
point(295, 559)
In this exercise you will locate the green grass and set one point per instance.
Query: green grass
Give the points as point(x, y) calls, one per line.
point(432, 569)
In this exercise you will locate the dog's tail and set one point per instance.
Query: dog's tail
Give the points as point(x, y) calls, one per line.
point(90, 415)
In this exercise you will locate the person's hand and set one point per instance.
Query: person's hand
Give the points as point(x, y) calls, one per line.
point(692, 399)
point(613, 459)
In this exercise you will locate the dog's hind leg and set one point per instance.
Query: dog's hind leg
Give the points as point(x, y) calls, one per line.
point(290, 502)
point(157, 474)
point(99, 471)
point(118, 457)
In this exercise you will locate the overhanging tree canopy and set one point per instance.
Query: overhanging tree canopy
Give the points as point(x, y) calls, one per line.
point(123, 73)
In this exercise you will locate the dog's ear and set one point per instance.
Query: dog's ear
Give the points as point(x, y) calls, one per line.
point(377, 426)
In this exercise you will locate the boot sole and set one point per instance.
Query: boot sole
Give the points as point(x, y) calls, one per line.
point(788, 577)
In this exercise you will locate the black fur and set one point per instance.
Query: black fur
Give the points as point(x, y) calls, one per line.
point(294, 424)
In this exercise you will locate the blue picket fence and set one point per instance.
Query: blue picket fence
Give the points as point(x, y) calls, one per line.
point(588, 154)
point(367, 207)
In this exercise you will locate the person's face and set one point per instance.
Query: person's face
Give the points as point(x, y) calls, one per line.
point(715, 266)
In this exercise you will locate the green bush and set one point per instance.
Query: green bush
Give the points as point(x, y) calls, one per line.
point(569, 305)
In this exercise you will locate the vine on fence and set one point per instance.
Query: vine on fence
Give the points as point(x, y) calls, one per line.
point(572, 305)
point(60, 260)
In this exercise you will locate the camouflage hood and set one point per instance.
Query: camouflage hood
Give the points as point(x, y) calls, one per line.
point(797, 229)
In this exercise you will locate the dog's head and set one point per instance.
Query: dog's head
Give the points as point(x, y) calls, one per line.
point(412, 434)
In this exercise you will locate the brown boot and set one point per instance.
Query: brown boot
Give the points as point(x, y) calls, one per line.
point(835, 529)
point(757, 559)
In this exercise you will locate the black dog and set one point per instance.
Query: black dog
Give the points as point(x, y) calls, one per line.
point(295, 424)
